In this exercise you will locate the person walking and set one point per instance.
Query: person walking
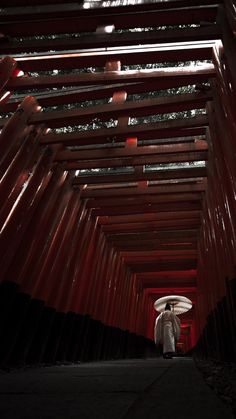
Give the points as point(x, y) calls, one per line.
point(167, 331)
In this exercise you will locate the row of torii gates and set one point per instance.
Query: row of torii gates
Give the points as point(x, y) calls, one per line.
point(85, 252)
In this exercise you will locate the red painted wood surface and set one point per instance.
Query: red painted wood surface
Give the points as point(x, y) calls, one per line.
point(19, 216)
point(8, 69)
point(109, 245)
point(22, 22)
point(114, 40)
point(128, 57)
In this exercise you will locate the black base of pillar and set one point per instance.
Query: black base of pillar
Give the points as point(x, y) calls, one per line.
point(218, 339)
point(42, 334)
point(27, 333)
point(13, 318)
point(34, 334)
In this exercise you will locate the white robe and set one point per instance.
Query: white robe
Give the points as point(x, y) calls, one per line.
point(167, 330)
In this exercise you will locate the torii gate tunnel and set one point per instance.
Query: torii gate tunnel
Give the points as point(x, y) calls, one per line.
point(117, 176)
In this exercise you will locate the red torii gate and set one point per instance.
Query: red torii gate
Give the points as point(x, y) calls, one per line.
point(85, 256)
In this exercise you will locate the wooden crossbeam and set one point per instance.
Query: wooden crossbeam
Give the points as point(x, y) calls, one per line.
point(164, 236)
point(65, 19)
point(169, 246)
point(195, 145)
point(148, 217)
point(167, 275)
point(134, 192)
point(164, 266)
point(28, 3)
point(150, 246)
point(148, 200)
point(118, 157)
point(137, 258)
point(168, 128)
point(148, 208)
point(137, 161)
point(93, 93)
point(193, 222)
point(160, 105)
point(113, 40)
point(160, 255)
point(170, 234)
point(181, 286)
point(125, 152)
point(163, 78)
point(135, 177)
point(136, 240)
point(129, 56)
point(166, 134)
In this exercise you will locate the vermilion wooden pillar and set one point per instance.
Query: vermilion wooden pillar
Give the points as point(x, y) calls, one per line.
point(25, 266)
point(53, 293)
point(8, 69)
point(94, 266)
point(142, 311)
point(88, 231)
point(16, 172)
point(114, 289)
point(225, 191)
point(125, 300)
point(73, 324)
point(32, 280)
point(16, 127)
point(229, 7)
point(26, 174)
point(36, 233)
point(43, 287)
point(69, 303)
point(20, 216)
point(217, 242)
point(104, 286)
point(69, 278)
point(224, 147)
point(118, 302)
point(224, 18)
point(59, 264)
point(85, 279)
point(97, 279)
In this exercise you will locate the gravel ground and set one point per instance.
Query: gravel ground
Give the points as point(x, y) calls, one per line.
point(221, 377)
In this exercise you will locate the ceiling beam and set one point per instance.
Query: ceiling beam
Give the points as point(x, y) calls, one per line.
point(159, 105)
point(162, 78)
point(163, 266)
point(178, 224)
point(68, 19)
point(136, 177)
point(132, 192)
point(165, 207)
point(144, 239)
point(125, 152)
point(159, 256)
point(146, 200)
point(137, 161)
point(151, 247)
point(161, 235)
point(148, 217)
point(112, 40)
point(128, 56)
point(176, 128)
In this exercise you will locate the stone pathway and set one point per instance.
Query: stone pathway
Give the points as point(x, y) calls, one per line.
point(125, 389)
